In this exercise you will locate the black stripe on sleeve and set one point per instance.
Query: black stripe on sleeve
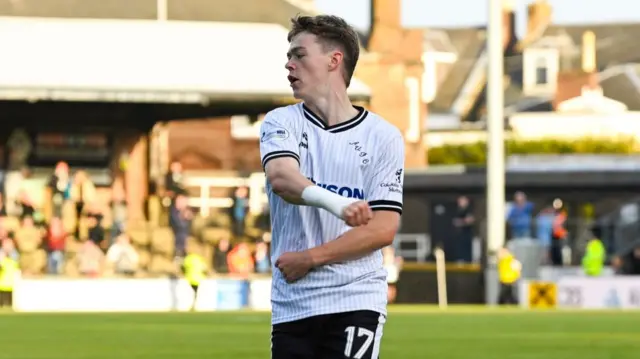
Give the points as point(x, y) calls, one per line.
point(384, 205)
point(278, 154)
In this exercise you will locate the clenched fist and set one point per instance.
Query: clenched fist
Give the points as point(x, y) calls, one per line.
point(294, 265)
point(357, 214)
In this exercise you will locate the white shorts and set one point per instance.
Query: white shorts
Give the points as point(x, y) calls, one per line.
point(392, 273)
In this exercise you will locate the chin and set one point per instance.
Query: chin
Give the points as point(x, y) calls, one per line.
point(297, 94)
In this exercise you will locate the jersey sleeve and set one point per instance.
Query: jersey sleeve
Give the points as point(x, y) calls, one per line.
point(385, 187)
point(277, 140)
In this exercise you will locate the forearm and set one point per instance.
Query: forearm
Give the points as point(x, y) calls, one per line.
point(289, 184)
point(356, 243)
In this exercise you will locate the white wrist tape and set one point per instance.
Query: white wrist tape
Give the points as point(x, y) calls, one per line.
point(319, 197)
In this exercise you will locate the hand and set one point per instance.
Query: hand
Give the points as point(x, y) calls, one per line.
point(294, 265)
point(357, 214)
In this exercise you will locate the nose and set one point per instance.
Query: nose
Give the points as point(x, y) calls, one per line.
point(289, 65)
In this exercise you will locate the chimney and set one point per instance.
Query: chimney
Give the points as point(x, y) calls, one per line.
point(385, 24)
point(508, 24)
point(589, 52)
point(580, 81)
point(538, 18)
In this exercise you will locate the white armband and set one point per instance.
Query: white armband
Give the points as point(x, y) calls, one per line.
point(319, 197)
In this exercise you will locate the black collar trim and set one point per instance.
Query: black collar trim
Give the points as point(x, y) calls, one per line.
point(340, 127)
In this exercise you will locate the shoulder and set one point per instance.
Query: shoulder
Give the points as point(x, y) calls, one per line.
point(285, 115)
point(382, 130)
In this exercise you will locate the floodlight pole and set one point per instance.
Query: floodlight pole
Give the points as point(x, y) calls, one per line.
point(162, 9)
point(495, 147)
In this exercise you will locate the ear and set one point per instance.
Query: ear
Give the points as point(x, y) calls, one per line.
point(335, 60)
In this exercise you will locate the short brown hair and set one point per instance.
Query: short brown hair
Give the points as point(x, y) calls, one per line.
point(331, 31)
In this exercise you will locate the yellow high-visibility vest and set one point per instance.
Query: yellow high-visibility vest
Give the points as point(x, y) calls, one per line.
point(9, 270)
point(508, 270)
point(194, 269)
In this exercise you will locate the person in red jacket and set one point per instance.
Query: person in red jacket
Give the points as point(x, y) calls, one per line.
point(55, 240)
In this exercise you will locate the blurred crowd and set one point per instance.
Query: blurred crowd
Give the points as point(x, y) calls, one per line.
point(75, 231)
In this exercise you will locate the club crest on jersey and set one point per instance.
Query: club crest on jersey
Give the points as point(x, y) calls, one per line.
point(344, 191)
point(399, 176)
point(280, 134)
point(305, 141)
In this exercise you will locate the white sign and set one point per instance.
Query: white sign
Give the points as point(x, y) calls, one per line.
point(260, 294)
point(121, 295)
point(599, 293)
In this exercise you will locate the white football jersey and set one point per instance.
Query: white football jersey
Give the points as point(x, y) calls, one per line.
point(362, 158)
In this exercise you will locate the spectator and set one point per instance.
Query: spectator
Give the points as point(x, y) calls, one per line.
point(509, 270)
point(90, 260)
point(239, 210)
point(118, 208)
point(594, 257)
point(19, 146)
point(122, 257)
point(9, 271)
point(180, 222)
point(55, 240)
point(263, 264)
point(60, 186)
point(3, 208)
point(83, 192)
point(96, 231)
point(195, 270)
point(173, 180)
point(559, 233)
point(25, 204)
point(629, 263)
point(240, 260)
point(463, 221)
point(30, 196)
point(220, 264)
point(519, 217)
point(8, 248)
point(544, 231)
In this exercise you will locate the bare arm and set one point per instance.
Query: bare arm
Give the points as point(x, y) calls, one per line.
point(359, 241)
point(286, 180)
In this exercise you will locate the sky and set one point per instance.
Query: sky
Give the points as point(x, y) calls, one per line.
point(438, 13)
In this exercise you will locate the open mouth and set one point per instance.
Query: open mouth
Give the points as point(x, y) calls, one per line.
point(292, 79)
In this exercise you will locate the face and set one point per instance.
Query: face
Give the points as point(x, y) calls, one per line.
point(223, 244)
point(242, 192)
point(62, 168)
point(7, 245)
point(27, 222)
point(56, 223)
point(310, 66)
point(463, 201)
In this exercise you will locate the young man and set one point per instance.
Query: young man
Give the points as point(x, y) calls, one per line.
point(334, 182)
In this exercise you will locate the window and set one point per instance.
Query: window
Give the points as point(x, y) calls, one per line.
point(541, 72)
point(541, 67)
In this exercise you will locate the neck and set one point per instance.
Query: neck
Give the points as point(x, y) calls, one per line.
point(334, 107)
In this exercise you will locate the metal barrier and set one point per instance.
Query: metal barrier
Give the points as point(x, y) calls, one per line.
point(255, 182)
point(420, 241)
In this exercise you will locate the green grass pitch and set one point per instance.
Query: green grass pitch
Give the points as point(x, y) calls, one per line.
point(410, 333)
